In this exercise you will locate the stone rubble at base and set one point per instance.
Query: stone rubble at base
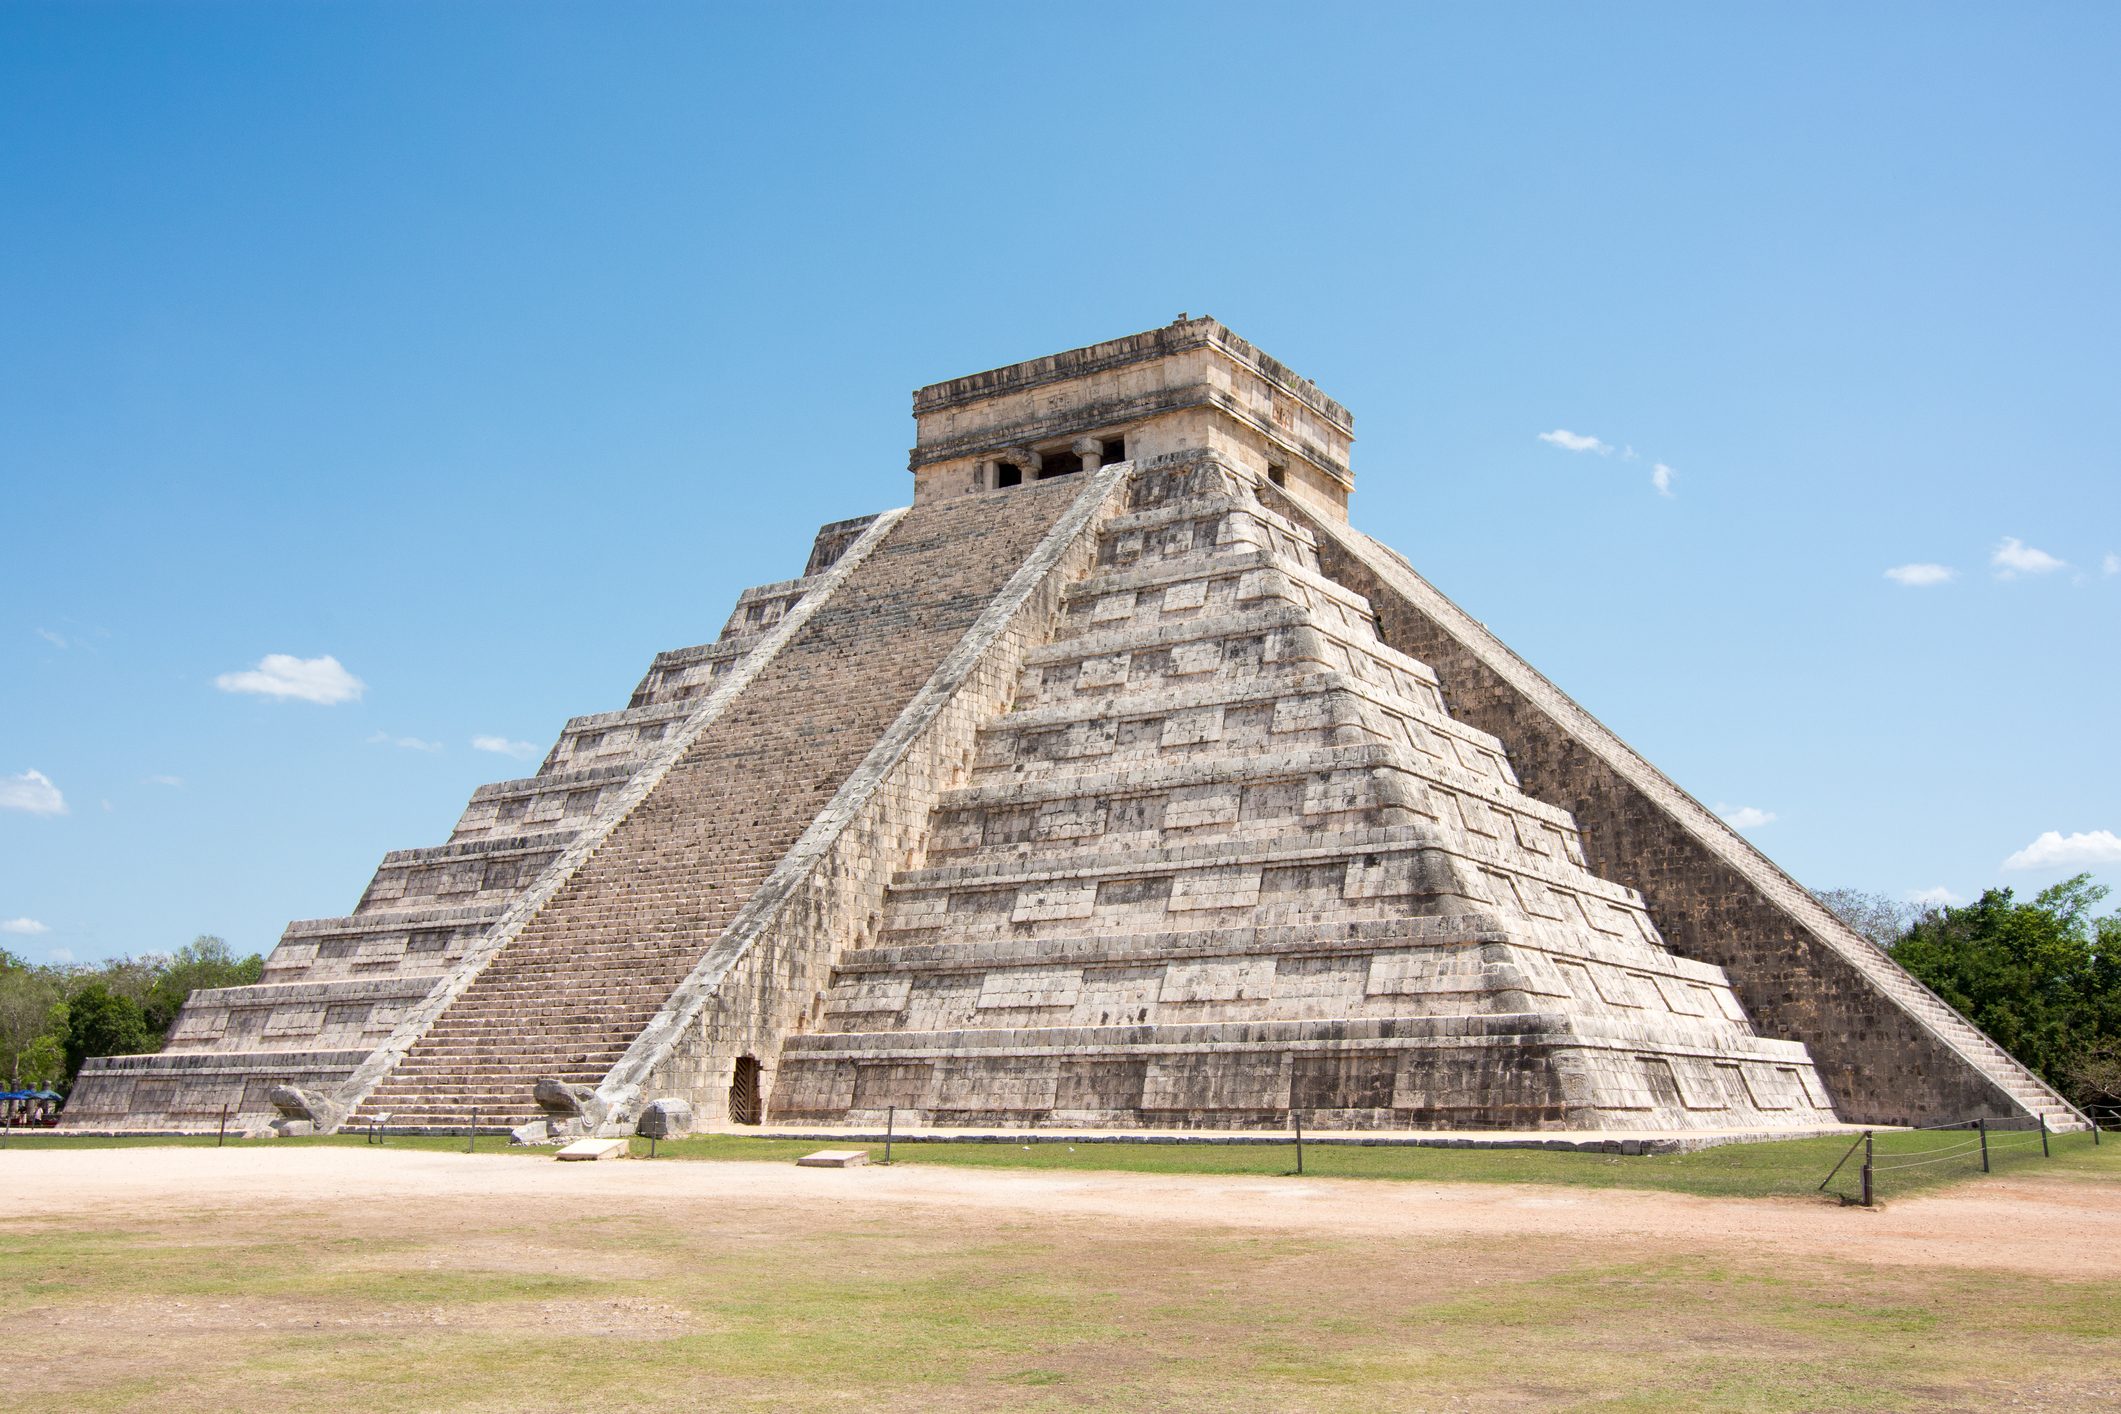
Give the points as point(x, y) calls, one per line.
point(1117, 783)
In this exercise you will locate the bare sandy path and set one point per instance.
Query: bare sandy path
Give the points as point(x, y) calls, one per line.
point(2049, 1227)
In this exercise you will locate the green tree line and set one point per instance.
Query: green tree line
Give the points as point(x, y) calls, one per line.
point(2043, 978)
point(54, 1016)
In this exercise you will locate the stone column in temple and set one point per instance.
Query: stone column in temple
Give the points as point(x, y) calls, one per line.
point(1090, 450)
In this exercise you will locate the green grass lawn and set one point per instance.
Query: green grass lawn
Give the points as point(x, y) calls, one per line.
point(788, 1304)
point(1782, 1168)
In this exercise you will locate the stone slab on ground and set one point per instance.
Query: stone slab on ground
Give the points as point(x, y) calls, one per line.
point(834, 1159)
point(593, 1149)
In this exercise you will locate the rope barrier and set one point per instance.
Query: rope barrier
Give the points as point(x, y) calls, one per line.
point(1985, 1144)
point(1910, 1158)
point(1966, 1148)
point(1914, 1163)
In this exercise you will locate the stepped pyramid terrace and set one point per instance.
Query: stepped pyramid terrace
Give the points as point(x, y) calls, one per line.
point(1119, 783)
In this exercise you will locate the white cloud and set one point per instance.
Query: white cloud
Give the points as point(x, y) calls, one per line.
point(33, 792)
point(2014, 557)
point(56, 640)
point(171, 781)
point(408, 743)
point(1938, 897)
point(502, 746)
point(23, 927)
point(1745, 817)
point(322, 680)
point(1575, 442)
point(1661, 478)
point(1921, 576)
point(60, 955)
point(2055, 850)
point(2111, 564)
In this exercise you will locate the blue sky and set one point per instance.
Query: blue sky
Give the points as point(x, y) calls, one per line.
point(487, 350)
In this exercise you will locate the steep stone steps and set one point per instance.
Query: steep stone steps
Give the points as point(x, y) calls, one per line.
point(413, 938)
point(636, 917)
point(1116, 861)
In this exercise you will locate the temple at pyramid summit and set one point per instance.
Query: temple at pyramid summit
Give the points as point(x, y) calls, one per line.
point(1117, 782)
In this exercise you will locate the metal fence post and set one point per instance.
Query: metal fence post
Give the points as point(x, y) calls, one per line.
point(2042, 1117)
point(1298, 1117)
point(1866, 1168)
point(890, 1123)
point(222, 1137)
point(1984, 1143)
point(471, 1139)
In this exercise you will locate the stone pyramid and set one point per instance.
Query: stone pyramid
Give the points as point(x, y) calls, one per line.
point(1117, 782)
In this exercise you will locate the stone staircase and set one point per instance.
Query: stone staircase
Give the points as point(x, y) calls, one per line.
point(2026, 1089)
point(1227, 853)
point(569, 994)
point(1114, 783)
point(1895, 1051)
point(334, 989)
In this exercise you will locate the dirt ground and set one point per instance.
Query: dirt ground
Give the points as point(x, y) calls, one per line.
point(344, 1278)
point(2032, 1226)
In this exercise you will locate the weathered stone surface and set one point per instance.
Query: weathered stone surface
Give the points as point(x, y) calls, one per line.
point(1887, 1049)
point(303, 1111)
point(591, 1150)
point(1118, 782)
point(337, 990)
point(667, 1118)
point(564, 1101)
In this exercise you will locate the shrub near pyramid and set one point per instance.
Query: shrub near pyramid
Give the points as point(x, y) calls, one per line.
point(1117, 782)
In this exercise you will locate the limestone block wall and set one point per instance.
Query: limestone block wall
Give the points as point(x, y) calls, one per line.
point(765, 978)
point(336, 1014)
point(186, 1090)
point(422, 941)
point(684, 673)
point(606, 738)
point(1191, 386)
point(1888, 1050)
point(1444, 965)
point(472, 1008)
point(335, 989)
point(560, 802)
point(1226, 842)
point(459, 875)
point(1137, 797)
point(761, 607)
point(834, 539)
point(1514, 1071)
